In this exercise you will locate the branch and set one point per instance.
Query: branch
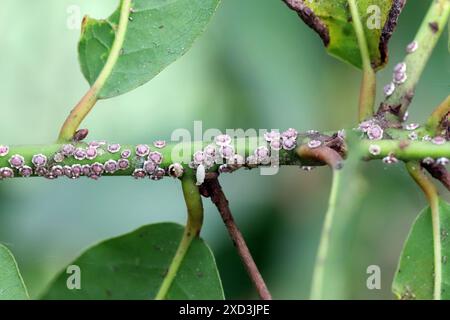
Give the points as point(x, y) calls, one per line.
point(176, 159)
point(369, 82)
point(419, 52)
point(213, 189)
point(86, 104)
point(431, 193)
point(191, 231)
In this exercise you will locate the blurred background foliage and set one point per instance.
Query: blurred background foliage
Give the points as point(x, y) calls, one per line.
point(257, 66)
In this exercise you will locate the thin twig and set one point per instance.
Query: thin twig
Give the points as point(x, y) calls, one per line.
point(213, 189)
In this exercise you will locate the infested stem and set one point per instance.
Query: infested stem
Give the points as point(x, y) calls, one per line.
point(194, 223)
point(214, 190)
point(426, 38)
point(368, 83)
point(431, 193)
point(403, 149)
point(88, 101)
point(438, 115)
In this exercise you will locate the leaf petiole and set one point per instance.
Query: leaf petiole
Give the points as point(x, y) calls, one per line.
point(81, 110)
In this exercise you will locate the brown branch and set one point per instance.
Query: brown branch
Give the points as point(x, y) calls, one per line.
point(212, 188)
point(439, 172)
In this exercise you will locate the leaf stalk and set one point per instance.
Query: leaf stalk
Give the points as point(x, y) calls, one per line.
point(431, 194)
point(194, 223)
point(82, 109)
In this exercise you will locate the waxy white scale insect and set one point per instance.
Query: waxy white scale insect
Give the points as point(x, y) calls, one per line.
point(375, 132)
point(442, 161)
point(412, 47)
point(438, 140)
point(200, 175)
point(142, 150)
point(39, 160)
point(159, 144)
point(16, 161)
point(390, 159)
point(389, 89)
point(428, 161)
point(6, 173)
point(4, 150)
point(176, 170)
point(26, 171)
point(223, 140)
point(374, 149)
point(314, 144)
point(412, 126)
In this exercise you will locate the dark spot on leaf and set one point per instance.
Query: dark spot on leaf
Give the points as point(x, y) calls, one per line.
point(108, 293)
point(161, 27)
point(434, 27)
point(157, 248)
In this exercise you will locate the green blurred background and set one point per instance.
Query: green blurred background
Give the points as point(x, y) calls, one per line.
point(257, 66)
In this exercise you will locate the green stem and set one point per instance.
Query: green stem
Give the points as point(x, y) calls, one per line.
point(88, 101)
point(426, 38)
point(192, 230)
point(405, 150)
point(368, 83)
point(319, 269)
point(435, 120)
point(402, 148)
point(431, 193)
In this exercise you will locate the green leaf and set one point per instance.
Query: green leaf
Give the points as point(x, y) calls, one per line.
point(133, 266)
point(331, 19)
point(414, 277)
point(11, 282)
point(158, 33)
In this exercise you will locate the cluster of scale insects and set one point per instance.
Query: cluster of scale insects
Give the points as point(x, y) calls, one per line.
point(400, 74)
point(52, 168)
point(147, 161)
point(374, 132)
